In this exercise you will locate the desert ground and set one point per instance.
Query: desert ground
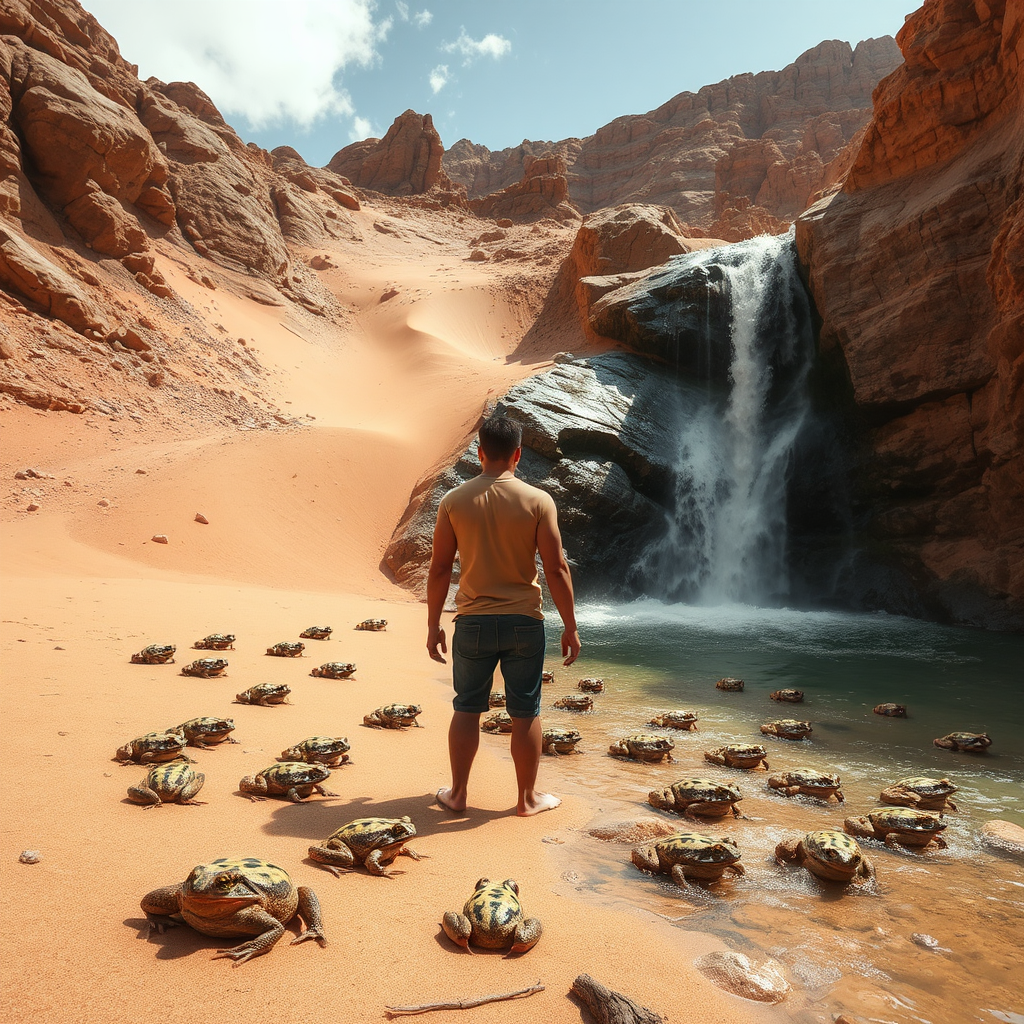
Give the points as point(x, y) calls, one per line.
point(299, 509)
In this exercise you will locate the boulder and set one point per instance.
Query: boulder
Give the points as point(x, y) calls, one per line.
point(595, 439)
point(1004, 836)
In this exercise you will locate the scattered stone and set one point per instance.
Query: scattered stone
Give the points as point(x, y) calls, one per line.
point(103, 503)
point(563, 357)
point(59, 648)
point(200, 518)
point(159, 538)
point(140, 472)
point(638, 831)
point(33, 507)
point(478, 255)
point(610, 1007)
point(927, 942)
point(30, 857)
point(736, 973)
point(1004, 836)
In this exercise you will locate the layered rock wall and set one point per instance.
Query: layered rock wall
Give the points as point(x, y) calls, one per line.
point(917, 267)
point(732, 159)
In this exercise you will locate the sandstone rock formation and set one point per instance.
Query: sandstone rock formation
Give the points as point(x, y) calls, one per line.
point(543, 192)
point(915, 264)
point(731, 159)
point(407, 161)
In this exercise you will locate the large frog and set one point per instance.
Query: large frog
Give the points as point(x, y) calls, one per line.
point(293, 780)
point(555, 740)
point(902, 825)
point(926, 794)
point(216, 642)
point(329, 750)
point(493, 919)
point(808, 782)
point(155, 654)
point(264, 694)
point(243, 896)
point(690, 855)
point(969, 742)
point(677, 719)
point(206, 668)
point(829, 854)
point(787, 729)
point(207, 731)
point(500, 721)
point(739, 755)
point(286, 649)
point(394, 716)
point(372, 842)
point(316, 633)
point(334, 670)
point(153, 747)
point(168, 784)
point(701, 797)
point(642, 746)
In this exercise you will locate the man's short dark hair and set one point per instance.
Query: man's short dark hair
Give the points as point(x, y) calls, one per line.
point(500, 437)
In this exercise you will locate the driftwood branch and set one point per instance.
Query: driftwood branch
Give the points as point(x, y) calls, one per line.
point(608, 1007)
point(464, 1004)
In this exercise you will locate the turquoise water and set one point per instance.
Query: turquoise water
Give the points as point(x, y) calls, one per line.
point(844, 948)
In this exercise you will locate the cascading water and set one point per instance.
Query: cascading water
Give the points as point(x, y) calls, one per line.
point(726, 538)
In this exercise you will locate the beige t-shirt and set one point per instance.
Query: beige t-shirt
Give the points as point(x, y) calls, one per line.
point(495, 520)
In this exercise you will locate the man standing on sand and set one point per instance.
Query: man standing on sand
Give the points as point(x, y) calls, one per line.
point(497, 524)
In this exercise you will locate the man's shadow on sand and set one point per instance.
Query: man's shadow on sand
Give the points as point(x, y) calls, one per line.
point(317, 817)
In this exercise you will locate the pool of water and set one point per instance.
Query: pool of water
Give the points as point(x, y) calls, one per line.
point(845, 948)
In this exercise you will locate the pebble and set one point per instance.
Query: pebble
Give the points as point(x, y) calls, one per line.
point(927, 942)
point(736, 973)
point(159, 538)
point(33, 507)
point(103, 503)
point(200, 518)
point(30, 857)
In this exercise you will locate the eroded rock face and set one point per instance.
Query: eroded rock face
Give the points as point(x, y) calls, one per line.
point(916, 268)
point(542, 192)
point(407, 161)
point(594, 439)
point(731, 159)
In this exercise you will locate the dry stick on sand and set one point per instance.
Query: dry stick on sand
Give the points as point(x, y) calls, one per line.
point(608, 1007)
point(463, 1004)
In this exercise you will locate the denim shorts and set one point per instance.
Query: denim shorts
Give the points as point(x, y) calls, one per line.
point(482, 643)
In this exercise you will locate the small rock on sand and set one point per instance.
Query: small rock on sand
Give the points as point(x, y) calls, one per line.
point(200, 518)
point(30, 857)
point(159, 538)
point(1004, 836)
point(742, 976)
point(33, 507)
point(638, 831)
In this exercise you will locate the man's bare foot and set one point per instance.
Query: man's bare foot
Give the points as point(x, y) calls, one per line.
point(540, 802)
point(444, 797)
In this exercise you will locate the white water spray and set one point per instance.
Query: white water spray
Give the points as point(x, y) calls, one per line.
point(727, 535)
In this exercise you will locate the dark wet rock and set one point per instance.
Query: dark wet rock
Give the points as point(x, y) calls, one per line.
point(598, 436)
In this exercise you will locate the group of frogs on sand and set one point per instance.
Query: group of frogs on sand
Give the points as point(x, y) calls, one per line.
point(251, 897)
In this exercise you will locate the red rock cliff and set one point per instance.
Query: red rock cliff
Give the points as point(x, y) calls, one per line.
point(758, 142)
point(917, 267)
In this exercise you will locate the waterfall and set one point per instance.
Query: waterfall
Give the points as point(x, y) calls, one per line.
point(726, 537)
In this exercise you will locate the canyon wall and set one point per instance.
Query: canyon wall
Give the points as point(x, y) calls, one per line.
point(732, 159)
point(916, 264)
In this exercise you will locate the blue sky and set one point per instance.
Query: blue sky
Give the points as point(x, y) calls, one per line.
point(319, 74)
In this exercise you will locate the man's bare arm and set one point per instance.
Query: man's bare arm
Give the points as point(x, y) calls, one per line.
point(439, 579)
point(556, 570)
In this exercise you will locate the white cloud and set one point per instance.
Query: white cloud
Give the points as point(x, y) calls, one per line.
point(362, 128)
point(422, 18)
point(403, 10)
point(439, 78)
point(247, 56)
point(490, 46)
